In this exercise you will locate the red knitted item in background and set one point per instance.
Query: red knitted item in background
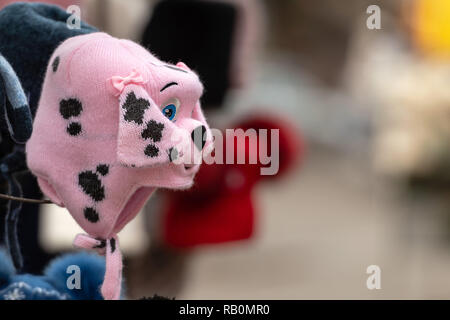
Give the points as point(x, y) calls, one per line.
point(219, 207)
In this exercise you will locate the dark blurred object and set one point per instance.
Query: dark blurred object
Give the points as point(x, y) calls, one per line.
point(199, 33)
point(219, 207)
point(317, 33)
point(160, 271)
point(53, 284)
point(156, 297)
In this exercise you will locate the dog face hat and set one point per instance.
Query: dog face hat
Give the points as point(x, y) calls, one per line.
point(114, 123)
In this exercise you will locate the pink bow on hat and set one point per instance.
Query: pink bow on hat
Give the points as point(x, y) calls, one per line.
point(119, 82)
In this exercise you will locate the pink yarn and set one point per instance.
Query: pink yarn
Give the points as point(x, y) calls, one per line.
point(113, 273)
point(119, 83)
point(101, 143)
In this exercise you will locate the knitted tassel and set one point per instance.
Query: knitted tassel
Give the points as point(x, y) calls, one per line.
point(111, 286)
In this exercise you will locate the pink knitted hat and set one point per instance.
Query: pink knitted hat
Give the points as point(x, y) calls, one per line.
point(114, 123)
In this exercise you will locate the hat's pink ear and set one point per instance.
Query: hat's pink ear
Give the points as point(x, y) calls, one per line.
point(182, 65)
point(144, 137)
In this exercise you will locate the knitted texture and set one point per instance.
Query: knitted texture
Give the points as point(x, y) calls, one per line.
point(30, 34)
point(52, 284)
point(15, 110)
point(16, 116)
point(113, 124)
point(61, 3)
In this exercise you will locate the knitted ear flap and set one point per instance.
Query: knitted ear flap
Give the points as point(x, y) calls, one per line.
point(17, 114)
point(144, 133)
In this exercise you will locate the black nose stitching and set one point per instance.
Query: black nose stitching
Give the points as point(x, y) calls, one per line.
point(173, 154)
point(199, 137)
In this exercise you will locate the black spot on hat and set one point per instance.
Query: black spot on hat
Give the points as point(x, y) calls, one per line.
point(198, 136)
point(153, 131)
point(112, 242)
point(55, 64)
point(74, 128)
point(173, 154)
point(101, 245)
point(135, 108)
point(91, 215)
point(103, 169)
point(91, 185)
point(70, 108)
point(151, 150)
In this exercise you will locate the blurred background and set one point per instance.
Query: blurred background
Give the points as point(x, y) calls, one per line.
point(364, 119)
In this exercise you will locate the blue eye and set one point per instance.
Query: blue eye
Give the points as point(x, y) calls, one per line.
point(170, 111)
